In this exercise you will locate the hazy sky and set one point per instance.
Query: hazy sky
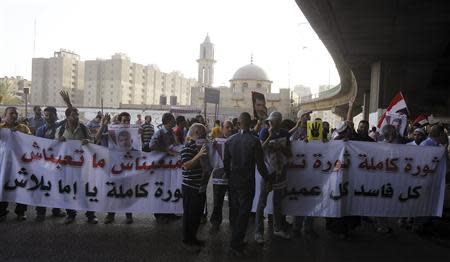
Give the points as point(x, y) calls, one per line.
point(168, 33)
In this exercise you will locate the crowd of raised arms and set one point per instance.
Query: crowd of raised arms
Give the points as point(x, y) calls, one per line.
point(246, 141)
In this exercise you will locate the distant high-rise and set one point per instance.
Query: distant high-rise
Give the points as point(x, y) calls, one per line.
point(63, 71)
point(117, 81)
point(121, 83)
point(206, 63)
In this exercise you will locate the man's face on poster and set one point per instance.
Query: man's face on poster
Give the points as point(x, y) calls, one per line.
point(124, 140)
point(397, 123)
point(260, 109)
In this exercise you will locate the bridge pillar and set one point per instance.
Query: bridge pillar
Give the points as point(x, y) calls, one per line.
point(412, 77)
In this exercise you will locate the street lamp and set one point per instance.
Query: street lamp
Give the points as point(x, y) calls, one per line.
point(26, 91)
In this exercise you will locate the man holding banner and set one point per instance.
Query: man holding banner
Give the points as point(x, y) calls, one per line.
point(10, 118)
point(48, 130)
point(72, 129)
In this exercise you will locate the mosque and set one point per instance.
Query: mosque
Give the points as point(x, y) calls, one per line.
point(237, 97)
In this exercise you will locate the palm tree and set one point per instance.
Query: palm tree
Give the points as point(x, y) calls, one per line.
point(7, 96)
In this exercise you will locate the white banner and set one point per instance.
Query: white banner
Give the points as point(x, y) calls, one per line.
point(366, 179)
point(43, 172)
point(324, 179)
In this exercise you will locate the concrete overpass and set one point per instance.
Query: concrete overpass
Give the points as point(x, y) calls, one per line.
point(382, 47)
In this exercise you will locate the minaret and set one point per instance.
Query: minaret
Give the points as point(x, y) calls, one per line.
point(206, 63)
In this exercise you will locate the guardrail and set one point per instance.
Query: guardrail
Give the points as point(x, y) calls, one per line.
point(322, 95)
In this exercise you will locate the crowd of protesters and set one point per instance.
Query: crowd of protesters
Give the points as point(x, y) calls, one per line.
point(247, 141)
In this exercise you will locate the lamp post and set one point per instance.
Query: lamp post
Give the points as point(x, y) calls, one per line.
point(26, 91)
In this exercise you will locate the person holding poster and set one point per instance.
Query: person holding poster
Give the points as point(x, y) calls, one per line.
point(220, 181)
point(259, 111)
point(259, 106)
point(123, 136)
point(125, 143)
point(315, 130)
point(276, 147)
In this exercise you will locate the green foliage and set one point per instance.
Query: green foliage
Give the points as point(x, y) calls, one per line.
point(7, 96)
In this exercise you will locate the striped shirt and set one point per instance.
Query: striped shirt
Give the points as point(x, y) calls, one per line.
point(147, 131)
point(193, 177)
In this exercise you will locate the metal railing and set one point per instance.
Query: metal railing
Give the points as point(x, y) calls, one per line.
point(320, 96)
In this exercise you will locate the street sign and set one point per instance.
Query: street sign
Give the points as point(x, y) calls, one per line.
point(212, 95)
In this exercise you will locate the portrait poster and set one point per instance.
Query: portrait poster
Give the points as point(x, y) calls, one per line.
point(399, 121)
point(124, 138)
point(259, 106)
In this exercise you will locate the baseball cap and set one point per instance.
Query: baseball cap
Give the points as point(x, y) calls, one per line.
point(275, 116)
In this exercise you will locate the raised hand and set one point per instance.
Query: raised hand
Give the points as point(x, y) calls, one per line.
point(66, 98)
point(105, 119)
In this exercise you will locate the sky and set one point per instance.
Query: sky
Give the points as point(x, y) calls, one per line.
point(168, 33)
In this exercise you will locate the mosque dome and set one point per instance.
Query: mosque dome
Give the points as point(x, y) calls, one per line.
point(250, 72)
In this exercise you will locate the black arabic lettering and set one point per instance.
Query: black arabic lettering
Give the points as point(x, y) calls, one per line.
point(343, 191)
point(167, 199)
point(413, 193)
point(177, 195)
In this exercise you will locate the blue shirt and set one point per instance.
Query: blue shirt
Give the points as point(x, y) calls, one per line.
point(35, 123)
point(264, 133)
point(429, 142)
point(47, 131)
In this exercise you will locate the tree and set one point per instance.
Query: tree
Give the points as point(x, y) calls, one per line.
point(7, 96)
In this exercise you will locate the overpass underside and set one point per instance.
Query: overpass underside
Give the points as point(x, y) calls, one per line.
point(385, 46)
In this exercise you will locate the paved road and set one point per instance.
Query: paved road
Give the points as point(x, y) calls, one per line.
point(145, 240)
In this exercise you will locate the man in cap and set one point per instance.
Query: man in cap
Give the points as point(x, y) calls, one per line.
point(300, 130)
point(419, 136)
point(276, 147)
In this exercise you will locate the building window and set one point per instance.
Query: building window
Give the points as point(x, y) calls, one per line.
point(245, 85)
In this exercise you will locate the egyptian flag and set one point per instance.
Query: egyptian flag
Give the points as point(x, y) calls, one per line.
point(397, 105)
point(421, 120)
